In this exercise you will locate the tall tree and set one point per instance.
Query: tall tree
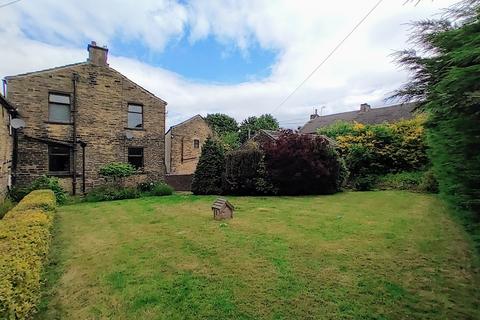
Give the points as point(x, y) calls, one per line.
point(222, 123)
point(251, 125)
point(208, 176)
point(445, 74)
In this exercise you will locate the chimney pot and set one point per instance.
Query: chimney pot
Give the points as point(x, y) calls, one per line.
point(315, 115)
point(97, 55)
point(364, 107)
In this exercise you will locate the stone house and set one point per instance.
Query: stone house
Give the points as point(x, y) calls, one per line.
point(365, 115)
point(6, 145)
point(183, 145)
point(82, 116)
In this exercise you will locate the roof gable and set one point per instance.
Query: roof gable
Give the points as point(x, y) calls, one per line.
point(32, 73)
point(195, 117)
point(75, 65)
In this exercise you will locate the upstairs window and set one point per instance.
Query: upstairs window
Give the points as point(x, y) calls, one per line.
point(58, 159)
point(135, 157)
point(135, 116)
point(59, 108)
point(196, 144)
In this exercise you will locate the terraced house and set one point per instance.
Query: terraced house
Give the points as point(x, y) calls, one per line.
point(7, 112)
point(81, 116)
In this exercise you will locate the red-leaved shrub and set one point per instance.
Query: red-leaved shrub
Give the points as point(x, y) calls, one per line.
point(304, 164)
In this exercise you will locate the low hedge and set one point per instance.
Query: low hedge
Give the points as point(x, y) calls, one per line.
point(24, 244)
point(416, 181)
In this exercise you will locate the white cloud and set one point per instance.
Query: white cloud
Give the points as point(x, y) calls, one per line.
point(302, 31)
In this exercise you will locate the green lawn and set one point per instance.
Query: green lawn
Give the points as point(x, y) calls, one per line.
point(363, 255)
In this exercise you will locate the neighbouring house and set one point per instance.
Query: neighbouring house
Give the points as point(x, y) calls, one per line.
point(264, 136)
point(82, 116)
point(183, 145)
point(6, 145)
point(366, 115)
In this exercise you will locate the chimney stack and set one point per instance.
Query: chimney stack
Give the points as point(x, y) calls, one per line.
point(315, 115)
point(364, 107)
point(97, 55)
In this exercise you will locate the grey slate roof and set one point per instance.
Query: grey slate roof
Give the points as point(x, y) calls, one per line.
point(374, 115)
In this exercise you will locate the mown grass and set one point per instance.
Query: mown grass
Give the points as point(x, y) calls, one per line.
point(362, 255)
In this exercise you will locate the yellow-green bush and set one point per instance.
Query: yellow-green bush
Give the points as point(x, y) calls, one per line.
point(380, 149)
point(24, 244)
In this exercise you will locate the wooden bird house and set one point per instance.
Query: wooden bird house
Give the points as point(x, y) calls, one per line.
point(222, 209)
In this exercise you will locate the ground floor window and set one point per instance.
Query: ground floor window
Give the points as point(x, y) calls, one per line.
point(135, 157)
point(58, 159)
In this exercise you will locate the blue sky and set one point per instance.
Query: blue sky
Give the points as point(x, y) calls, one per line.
point(241, 58)
point(206, 60)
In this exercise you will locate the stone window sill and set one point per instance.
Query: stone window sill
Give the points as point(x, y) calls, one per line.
point(62, 123)
point(136, 129)
point(62, 174)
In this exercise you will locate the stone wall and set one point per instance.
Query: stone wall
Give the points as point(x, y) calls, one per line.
point(103, 95)
point(6, 142)
point(183, 154)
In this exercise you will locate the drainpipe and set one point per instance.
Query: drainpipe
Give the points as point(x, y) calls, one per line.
point(181, 151)
point(14, 156)
point(74, 128)
point(83, 145)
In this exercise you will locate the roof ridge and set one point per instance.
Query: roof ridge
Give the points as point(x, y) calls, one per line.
point(46, 70)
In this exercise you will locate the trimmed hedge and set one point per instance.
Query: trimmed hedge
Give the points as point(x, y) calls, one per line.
point(41, 183)
point(245, 172)
point(24, 243)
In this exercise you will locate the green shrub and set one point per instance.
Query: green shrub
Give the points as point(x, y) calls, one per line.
point(380, 149)
point(400, 181)
point(208, 176)
point(363, 183)
point(245, 172)
point(110, 192)
point(429, 182)
point(17, 193)
point(117, 171)
point(40, 183)
point(5, 206)
point(145, 186)
point(419, 181)
point(24, 244)
point(161, 189)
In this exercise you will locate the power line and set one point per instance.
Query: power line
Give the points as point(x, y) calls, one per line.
point(329, 55)
point(9, 3)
